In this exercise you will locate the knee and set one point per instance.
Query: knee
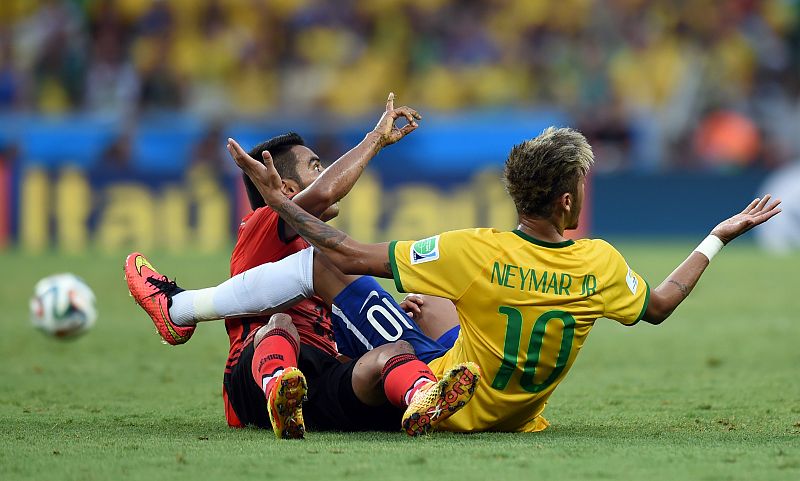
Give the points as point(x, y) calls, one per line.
point(284, 321)
point(402, 347)
point(388, 351)
point(368, 371)
point(371, 364)
point(277, 321)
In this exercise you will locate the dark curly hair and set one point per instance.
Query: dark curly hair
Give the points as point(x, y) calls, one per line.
point(540, 170)
point(283, 158)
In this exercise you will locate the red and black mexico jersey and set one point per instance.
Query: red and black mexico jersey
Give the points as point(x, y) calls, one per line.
point(258, 242)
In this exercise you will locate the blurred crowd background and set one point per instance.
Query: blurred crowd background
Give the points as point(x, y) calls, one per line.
point(697, 100)
point(702, 82)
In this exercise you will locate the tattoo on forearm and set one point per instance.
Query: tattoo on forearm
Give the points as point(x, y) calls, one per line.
point(312, 229)
point(685, 290)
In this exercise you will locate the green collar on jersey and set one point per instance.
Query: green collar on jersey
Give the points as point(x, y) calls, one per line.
point(552, 245)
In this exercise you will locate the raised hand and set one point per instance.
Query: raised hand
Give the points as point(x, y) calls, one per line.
point(758, 212)
point(388, 132)
point(263, 175)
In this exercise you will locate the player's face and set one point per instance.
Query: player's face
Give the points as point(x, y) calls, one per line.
point(309, 166)
point(577, 204)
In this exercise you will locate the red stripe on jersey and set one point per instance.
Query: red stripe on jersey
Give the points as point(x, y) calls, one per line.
point(230, 414)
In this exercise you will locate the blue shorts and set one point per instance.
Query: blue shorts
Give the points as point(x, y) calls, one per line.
point(365, 316)
point(449, 337)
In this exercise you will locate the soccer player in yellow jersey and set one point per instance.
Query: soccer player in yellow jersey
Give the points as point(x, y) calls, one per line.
point(526, 299)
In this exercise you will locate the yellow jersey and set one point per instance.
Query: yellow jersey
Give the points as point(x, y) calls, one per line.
point(525, 306)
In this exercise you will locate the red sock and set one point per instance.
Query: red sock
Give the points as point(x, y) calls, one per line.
point(277, 351)
point(402, 376)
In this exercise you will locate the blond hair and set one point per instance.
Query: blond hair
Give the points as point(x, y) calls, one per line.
point(541, 169)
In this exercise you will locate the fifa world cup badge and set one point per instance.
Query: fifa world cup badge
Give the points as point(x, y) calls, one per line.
point(425, 250)
point(632, 281)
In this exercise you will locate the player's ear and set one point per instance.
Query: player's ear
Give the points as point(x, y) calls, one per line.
point(289, 187)
point(566, 201)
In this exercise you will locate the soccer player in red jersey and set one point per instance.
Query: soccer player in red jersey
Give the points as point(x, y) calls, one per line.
point(273, 347)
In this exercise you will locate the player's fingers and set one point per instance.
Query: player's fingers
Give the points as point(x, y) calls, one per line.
point(772, 213)
point(763, 202)
point(239, 155)
point(266, 156)
point(415, 298)
point(236, 152)
point(390, 102)
point(413, 303)
point(407, 129)
point(248, 164)
point(269, 165)
point(234, 147)
point(761, 218)
point(751, 206)
point(232, 153)
point(408, 113)
point(771, 207)
point(409, 308)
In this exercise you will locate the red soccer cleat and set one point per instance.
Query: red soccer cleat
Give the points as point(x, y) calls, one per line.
point(153, 292)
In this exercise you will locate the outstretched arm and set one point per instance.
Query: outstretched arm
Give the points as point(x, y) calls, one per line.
point(348, 255)
point(677, 286)
point(337, 180)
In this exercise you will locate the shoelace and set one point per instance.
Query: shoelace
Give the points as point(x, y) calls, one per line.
point(164, 286)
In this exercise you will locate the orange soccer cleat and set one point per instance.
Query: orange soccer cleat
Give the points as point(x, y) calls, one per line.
point(153, 292)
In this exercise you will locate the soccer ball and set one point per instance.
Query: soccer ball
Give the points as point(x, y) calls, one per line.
point(63, 306)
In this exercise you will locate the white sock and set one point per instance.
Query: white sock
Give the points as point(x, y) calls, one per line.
point(265, 289)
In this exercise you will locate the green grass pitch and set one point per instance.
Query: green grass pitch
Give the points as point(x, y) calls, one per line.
point(712, 394)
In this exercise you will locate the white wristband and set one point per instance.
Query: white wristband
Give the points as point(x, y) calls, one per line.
point(710, 246)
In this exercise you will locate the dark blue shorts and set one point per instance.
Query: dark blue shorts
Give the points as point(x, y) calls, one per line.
point(449, 337)
point(365, 316)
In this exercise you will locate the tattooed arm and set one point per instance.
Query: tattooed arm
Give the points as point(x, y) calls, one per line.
point(348, 255)
point(675, 288)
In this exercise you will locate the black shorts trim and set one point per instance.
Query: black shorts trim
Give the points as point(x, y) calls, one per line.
point(332, 404)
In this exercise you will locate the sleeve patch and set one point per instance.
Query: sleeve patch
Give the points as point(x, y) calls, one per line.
point(425, 250)
point(632, 281)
